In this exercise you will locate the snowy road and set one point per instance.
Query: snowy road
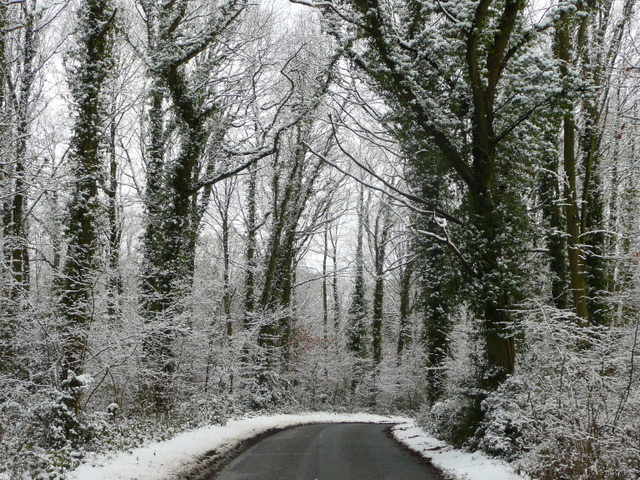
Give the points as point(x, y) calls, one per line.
point(328, 452)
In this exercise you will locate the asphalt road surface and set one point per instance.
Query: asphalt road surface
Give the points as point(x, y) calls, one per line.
point(328, 452)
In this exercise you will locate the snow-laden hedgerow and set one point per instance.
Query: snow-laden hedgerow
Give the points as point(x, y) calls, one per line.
point(572, 410)
point(36, 446)
point(579, 413)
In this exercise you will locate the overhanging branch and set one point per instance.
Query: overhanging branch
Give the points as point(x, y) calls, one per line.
point(398, 198)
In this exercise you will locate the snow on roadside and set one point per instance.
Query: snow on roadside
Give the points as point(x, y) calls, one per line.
point(457, 464)
point(169, 460)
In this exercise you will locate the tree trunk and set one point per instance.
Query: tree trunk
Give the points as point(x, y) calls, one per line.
point(555, 239)
point(8, 322)
point(494, 300)
point(325, 281)
point(335, 288)
point(250, 268)
point(380, 239)
point(79, 271)
point(433, 272)
point(17, 100)
point(357, 327)
point(223, 209)
point(115, 230)
point(577, 271)
point(404, 332)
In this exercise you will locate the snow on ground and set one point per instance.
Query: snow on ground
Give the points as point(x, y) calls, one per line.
point(170, 459)
point(457, 464)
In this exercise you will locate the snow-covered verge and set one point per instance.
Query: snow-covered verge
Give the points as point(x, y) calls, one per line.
point(456, 464)
point(169, 460)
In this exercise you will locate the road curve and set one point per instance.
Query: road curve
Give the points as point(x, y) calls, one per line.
point(352, 451)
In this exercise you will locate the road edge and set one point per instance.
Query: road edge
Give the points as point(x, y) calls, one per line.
point(389, 432)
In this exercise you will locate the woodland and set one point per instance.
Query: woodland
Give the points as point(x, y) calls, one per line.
point(214, 208)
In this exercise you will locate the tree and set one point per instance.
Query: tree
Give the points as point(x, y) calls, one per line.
point(295, 181)
point(119, 118)
point(222, 202)
point(358, 309)
point(88, 75)
point(7, 325)
point(437, 301)
point(552, 215)
point(406, 277)
point(588, 46)
point(21, 98)
point(24, 25)
point(16, 84)
point(298, 198)
point(379, 239)
point(251, 227)
point(182, 69)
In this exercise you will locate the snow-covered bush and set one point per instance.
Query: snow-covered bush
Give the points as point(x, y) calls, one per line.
point(576, 404)
point(266, 389)
point(447, 419)
point(506, 419)
point(42, 437)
